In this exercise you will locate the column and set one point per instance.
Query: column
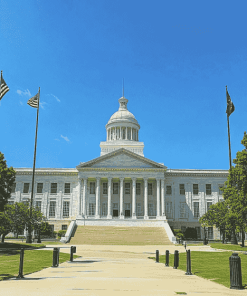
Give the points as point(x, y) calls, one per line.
point(146, 198)
point(121, 199)
point(158, 198)
point(163, 210)
point(84, 197)
point(79, 198)
point(120, 133)
point(109, 215)
point(131, 133)
point(133, 198)
point(97, 212)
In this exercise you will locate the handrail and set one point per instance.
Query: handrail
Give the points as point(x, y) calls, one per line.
point(65, 239)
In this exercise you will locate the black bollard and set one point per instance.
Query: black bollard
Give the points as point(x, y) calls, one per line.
point(167, 258)
point(188, 272)
point(176, 259)
point(72, 251)
point(20, 275)
point(235, 272)
point(55, 257)
point(157, 256)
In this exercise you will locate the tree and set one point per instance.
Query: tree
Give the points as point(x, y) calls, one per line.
point(7, 179)
point(216, 215)
point(235, 192)
point(5, 225)
point(18, 213)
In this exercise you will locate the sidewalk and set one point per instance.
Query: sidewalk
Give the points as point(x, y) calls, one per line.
point(114, 270)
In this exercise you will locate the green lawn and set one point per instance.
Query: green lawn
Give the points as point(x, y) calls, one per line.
point(34, 260)
point(210, 265)
point(228, 247)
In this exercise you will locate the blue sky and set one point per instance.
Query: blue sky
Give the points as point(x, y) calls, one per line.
point(176, 57)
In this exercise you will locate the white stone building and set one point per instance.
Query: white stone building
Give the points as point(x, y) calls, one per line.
point(122, 187)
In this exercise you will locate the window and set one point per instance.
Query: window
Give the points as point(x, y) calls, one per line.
point(92, 187)
point(150, 189)
point(52, 227)
point(26, 188)
point(38, 205)
point(10, 202)
point(183, 229)
point(52, 209)
point(196, 209)
point(150, 209)
point(181, 189)
point(39, 187)
point(91, 209)
point(220, 190)
point(64, 227)
point(115, 188)
point(169, 209)
point(208, 189)
point(66, 209)
point(210, 233)
point(13, 188)
point(138, 188)
point(195, 189)
point(53, 188)
point(127, 188)
point(182, 210)
point(105, 188)
point(168, 189)
point(209, 203)
point(67, 188)
point(198, 232)
point(104, 209)
point(139, 209)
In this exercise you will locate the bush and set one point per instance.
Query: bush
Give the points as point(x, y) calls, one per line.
point(61, 233)
point(190, 233)
point(178, 233)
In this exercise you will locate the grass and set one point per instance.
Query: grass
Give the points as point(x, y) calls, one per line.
point(34, 260)
point(210, 265)
point(139, 236)
point(228, 247)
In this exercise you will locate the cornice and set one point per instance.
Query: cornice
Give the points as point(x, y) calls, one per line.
point(197, 173)
point(122, 169)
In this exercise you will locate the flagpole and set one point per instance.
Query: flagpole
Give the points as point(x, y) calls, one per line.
point(229, 141)
point(29, 235)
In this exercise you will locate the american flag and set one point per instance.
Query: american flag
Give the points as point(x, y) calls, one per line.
point(34, 101)
point(3, 87)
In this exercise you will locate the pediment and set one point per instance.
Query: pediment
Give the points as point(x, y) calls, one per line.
point(121, 158)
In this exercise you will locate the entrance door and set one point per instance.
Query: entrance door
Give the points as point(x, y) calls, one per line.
point(115, 210)
point(127, 210)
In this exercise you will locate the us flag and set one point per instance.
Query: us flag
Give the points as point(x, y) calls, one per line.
point(3, 87)
point(34, 101)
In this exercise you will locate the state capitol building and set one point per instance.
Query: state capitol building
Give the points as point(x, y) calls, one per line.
point(122, 187)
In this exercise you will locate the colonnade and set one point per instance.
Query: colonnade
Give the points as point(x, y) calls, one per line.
point(122, 133)
point(160, 197)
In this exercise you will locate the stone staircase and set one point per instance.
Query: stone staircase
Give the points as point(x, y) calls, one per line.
point(110, 235)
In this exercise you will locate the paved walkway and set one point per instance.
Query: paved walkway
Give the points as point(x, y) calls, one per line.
point(115, 270)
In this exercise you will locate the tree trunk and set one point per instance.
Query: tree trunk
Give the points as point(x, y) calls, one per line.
point(243, 237)
point(233, 237)
point(223, 236)
point(3, 237)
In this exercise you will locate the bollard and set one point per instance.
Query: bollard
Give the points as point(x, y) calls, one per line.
point(157, 256)
point(188, 272)
point(176, 259)
point(167, 258)
point(72, 251)
point(235, 272)
point(20, 275)
point(55, 257)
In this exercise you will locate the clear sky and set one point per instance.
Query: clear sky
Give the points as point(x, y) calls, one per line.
point(176, 57)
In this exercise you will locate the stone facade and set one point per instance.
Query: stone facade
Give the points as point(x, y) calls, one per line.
point(121, 184)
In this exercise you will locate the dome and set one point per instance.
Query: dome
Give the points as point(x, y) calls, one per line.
point(123, 115)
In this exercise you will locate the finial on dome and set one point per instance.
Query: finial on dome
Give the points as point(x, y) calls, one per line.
point(122, 104)
point(123, 87)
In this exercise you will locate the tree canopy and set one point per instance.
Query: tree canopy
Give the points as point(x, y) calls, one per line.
point(7, 179)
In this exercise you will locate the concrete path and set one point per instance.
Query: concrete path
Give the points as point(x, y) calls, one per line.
point(114, 270)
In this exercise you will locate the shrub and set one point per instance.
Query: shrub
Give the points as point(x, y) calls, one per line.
point(61, 233)
point(190, 233)
point(178, 233)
